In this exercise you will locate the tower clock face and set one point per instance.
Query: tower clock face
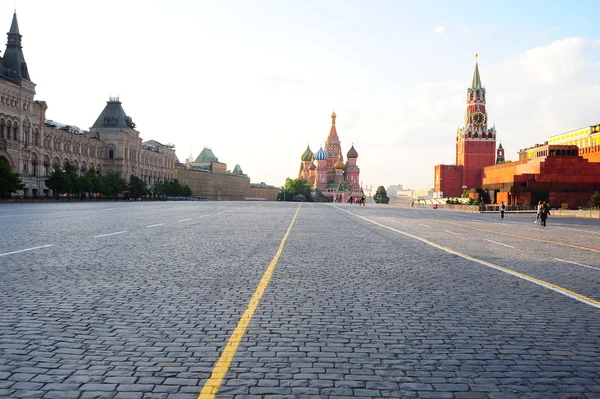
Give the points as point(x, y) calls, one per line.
point(478, 118)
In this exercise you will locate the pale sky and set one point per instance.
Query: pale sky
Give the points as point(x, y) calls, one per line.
point(257, 80)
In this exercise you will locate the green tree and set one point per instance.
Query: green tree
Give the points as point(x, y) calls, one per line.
point(187, 191)
point(137, 187)
point(85, 185)
point(595, 200)
point(381, 196)
point(174, 189)
point(159, 189)
point(72, 180)
point(114, 184)
point(57, 181)
point(96, 181)
point(295, 190)
point(10, 182)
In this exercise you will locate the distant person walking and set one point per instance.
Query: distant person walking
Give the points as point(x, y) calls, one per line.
point(544, 213)
point(350, 200)
point(363, 201)
point(539, 210)
point(502, 209)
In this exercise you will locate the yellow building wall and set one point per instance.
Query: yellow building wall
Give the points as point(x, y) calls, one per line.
point(269, 194)
point(215, 186)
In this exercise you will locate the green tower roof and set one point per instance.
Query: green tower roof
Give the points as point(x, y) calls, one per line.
point(206, 156)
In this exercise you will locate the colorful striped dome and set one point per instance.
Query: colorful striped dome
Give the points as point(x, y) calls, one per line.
point(307, 155)
point(321, 155)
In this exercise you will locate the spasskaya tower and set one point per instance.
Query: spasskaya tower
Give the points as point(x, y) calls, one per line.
point(475, 146)
point(476, 141)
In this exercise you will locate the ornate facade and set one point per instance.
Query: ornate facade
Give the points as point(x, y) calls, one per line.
point(475, 147)
point(33, 146)
point(326, 172)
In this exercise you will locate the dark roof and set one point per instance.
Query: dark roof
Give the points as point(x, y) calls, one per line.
point(113, 116)
point(13, 63)
point(153, 142)
point(14, 26)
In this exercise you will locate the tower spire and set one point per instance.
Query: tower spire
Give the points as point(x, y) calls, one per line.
point(14, 26)
point(333, 131)
point(476, 78)
point(13, 56)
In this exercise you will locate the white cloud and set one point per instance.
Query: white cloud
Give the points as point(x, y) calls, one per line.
point(440, 29)
point(596, 44)
point(559, 62)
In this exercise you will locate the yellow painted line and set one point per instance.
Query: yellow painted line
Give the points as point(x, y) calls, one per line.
point(213, 383)
point(553, 287)
point(520, 236)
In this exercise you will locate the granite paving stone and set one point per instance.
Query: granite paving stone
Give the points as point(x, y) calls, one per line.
point(352, 309)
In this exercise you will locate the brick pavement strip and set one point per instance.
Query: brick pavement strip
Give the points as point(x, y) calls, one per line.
point(352, 310)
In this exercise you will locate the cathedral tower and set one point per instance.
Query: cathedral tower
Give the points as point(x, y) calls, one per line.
point(475, 142)
point(333, 148)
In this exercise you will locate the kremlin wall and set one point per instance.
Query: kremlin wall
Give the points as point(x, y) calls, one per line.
point(564, 171)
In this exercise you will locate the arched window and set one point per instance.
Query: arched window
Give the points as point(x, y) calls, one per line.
point(15, 131)
point(111, 154)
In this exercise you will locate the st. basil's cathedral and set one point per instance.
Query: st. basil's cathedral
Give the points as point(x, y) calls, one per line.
point(326, 172)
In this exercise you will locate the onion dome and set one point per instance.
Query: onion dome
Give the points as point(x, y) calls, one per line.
point(339, 164)
point(307, 155)
point(312, 166)
point(321, 155)
point(352, 153)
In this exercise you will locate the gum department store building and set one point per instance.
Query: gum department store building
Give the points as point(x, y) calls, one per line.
point(33, 146)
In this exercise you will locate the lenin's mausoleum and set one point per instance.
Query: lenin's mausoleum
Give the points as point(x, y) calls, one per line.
point(564, 171)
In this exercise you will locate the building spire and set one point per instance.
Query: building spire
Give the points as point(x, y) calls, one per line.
point(333, 136)
point(476, 78)
point(13, 58)
point(14, 27)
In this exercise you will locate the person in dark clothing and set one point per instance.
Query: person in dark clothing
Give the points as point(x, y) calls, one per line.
point(362, 200)
point(502, 209)
point(544, 212)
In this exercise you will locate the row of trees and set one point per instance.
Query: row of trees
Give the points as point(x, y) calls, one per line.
point(68, 181)
point(112, 184)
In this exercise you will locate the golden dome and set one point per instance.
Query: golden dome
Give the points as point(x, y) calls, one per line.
point(333, 115)
point(339, 164)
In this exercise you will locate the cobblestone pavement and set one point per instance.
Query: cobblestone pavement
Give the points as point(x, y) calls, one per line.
point(137, 300)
